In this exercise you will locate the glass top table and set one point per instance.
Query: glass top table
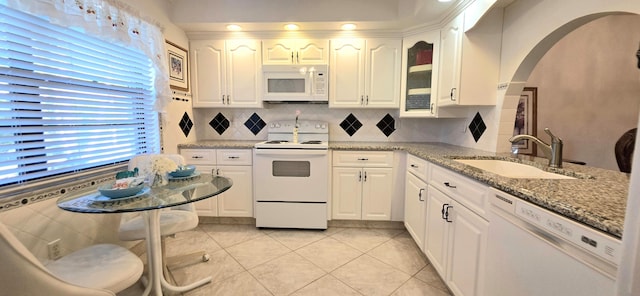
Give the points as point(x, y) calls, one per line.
point(149, 203)
point(177, 192)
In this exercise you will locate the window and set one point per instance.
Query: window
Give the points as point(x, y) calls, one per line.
point(69, 102)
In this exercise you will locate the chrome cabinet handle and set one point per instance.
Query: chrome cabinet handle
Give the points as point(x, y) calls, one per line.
point(453, 90)
point(197, 156)
point(360, 177)
point(233, 157)
point(361, 100)
point(298, 57)
point(420, 194)
point(363, 159)
point(365, 176)
point(228, 97)
point(292, 61)
point(449, 185)
point(414, 166)
point(367, 100)
point(223, 99)
point(431, 109)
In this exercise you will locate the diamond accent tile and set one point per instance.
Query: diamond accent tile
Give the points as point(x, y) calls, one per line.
point(219, 123)
point(185, 124)
point(255, 124)
point(477, 127)
point(351, 124)
point(387, 125)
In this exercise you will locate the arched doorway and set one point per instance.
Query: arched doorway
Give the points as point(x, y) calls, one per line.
point(530, 29)
point(587, 87)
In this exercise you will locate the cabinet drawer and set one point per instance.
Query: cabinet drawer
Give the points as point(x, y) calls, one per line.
point(466, 191)
point(199, 156)
point(234, 156)
point(417, 166)
point(363, 158)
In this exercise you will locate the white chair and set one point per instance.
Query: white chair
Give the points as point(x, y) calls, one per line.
point(99, 270)
point(173, 220)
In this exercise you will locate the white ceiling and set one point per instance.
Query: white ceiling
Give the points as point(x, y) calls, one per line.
point(310, 15)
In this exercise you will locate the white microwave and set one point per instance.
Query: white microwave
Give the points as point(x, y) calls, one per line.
point(296, 83)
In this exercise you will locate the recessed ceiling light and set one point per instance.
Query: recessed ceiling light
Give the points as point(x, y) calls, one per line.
point(291, 27)
point(348, 27)
point(233, 27)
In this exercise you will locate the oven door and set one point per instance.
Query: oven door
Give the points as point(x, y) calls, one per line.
point(291, 175)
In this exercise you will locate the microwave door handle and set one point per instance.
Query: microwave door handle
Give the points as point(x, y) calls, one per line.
point(311, 84)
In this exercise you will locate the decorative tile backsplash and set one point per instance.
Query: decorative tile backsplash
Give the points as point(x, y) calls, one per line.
point(185, 124)
point(387, 125)
point(383, 125)
point(255, 124)
point(477, 127)
point(351, 124)
point(219, 123)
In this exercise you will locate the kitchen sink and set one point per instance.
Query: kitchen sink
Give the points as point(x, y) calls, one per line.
point(511, 169)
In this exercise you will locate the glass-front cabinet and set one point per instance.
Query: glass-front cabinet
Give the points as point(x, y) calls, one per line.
point(420, 75)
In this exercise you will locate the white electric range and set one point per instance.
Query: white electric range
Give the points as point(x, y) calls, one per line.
point(291, 176)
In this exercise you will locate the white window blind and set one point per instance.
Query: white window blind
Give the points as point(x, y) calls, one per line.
point(68, 101)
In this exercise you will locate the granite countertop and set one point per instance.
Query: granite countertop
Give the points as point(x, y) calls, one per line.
point(219, 144)
point(596, 198)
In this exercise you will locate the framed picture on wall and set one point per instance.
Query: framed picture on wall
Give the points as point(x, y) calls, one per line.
point(526, 120)
point(178, 67)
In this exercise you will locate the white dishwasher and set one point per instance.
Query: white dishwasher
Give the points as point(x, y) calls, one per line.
point(534, 252)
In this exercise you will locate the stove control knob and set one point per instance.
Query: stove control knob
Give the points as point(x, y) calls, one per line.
point(277, 125)
point(272, 125)
point(324, 126)
point(317, 126)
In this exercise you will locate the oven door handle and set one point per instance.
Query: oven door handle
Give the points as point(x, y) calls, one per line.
point(291, 151)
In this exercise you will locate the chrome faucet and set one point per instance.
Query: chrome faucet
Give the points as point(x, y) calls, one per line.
point(552, 152)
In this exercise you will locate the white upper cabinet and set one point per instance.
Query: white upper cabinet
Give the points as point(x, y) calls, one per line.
point(470, 61)
point(295, 51)
point(420, 75)
point(226, 73)
point(364, 73)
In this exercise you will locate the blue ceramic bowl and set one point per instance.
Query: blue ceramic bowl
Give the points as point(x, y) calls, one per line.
point(109, 192)
point(184, 171)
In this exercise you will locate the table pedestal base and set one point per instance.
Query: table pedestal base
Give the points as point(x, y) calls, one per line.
point(157, 280)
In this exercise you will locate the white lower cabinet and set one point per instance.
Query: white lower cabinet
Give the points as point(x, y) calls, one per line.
point(236, 164)
point(363, 192)
point(456, 236)
point(415, 199)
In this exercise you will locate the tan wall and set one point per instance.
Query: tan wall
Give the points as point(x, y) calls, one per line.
point(588, 88)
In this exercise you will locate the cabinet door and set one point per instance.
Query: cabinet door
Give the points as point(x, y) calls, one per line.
point(377, 190)
point(346, 77)
point(347, 193)
point(295, 51)
point(208, 84)
point(243, 73)
point(209, 206)
point(238, 200)
point(382, 73)
point(312, 51)
point(420, 68)
point(415, 200)
point(278, 52)
point(437, 230)
point(468, 244)
point(451, 43)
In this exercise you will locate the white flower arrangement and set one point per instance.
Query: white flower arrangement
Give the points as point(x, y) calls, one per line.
point(156, 168)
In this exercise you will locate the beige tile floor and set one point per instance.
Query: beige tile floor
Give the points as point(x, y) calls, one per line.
point(246, 260)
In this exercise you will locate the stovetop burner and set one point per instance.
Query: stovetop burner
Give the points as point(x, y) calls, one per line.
point(276, 142)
